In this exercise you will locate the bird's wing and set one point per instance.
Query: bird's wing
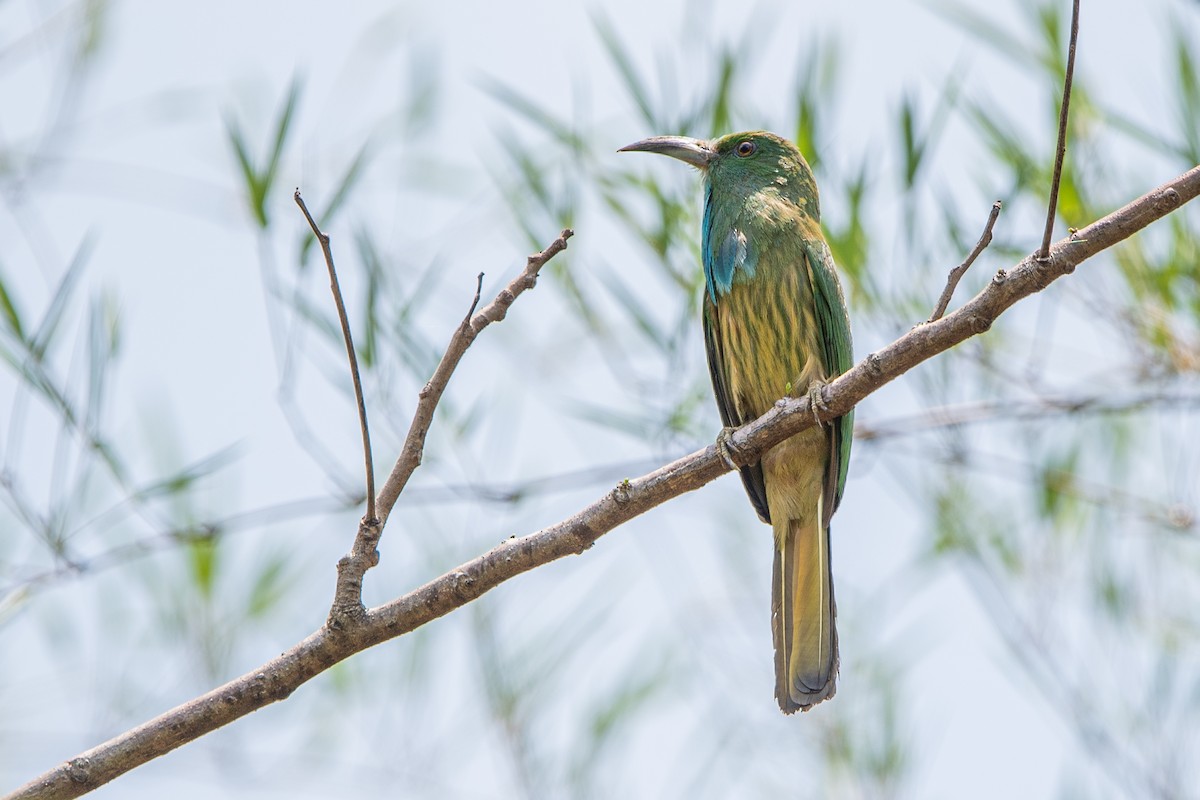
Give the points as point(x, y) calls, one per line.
point(752, 476)
point(833, 328)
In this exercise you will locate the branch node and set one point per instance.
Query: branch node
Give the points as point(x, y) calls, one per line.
point(620, 494)
point(463, 583)
point(874, 365)
point(1000, 277)
point(1170, 198)
point(426, 390)
point(586, 540)
point(347, 609)
point(980, 324)
point(80, 770)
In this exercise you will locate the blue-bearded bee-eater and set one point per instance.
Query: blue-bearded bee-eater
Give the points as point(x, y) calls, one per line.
point(775, 325)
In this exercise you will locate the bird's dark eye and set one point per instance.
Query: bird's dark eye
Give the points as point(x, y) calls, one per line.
point(745, 149)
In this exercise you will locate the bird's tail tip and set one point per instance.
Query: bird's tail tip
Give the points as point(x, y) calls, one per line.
point(803, 618)
point(801, 697)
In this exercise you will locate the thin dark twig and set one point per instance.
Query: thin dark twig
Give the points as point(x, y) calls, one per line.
point(1061, 149)
point(956, 274)
point(323, 238)
point(475, 301)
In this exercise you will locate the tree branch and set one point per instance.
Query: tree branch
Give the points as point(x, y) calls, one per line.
point(278, 678)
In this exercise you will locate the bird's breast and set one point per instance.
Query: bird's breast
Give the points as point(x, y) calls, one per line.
point(767, 325)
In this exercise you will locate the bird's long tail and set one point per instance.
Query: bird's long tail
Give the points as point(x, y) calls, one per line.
point(802, 616)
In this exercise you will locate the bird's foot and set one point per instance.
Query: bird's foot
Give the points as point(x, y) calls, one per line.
point(816, 401)
point(725, 448)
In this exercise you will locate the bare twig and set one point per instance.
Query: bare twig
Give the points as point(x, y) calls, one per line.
point(323, 238)
point(956, 274)
point(347, 606)
point(278, 678)
point(1061, 149)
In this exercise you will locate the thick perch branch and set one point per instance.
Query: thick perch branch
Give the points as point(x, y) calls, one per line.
point(278, 678)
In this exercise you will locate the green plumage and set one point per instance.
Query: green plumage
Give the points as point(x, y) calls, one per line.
point(775, 324)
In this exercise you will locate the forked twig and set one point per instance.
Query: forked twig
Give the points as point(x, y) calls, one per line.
point(464, 334)
point(956, 274)
point(347, 608)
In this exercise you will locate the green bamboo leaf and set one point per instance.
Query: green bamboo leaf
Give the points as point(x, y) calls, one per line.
point(548, 122)
point(633, 82)
point(910, 149)
point(182, 480)
point(625, 702)
point(722, 115)
point(43, 337)
point(259, 183)
point(341, 194)
point(986, 30)
point(643, 318)
point(204, 563)
point(282, 129)
point(12, 317)
point(101, 341)
point(249, 175)
point(816, 85)
point(270, 586)
point(1188, 93)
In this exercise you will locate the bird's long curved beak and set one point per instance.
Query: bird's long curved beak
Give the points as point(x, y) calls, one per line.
point(696, 152)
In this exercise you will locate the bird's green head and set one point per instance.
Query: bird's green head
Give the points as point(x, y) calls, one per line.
point(742, 164)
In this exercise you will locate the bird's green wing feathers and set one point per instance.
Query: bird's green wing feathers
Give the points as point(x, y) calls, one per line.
point(752, 476)
point(833, 327)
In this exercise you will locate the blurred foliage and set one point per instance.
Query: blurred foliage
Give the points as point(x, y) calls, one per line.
point(1050, 463)
point(260, 180)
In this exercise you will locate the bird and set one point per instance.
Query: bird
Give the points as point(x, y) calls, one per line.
point(776, 325)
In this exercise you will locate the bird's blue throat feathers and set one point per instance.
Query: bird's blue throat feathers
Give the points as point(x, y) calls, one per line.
point(726, 252)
